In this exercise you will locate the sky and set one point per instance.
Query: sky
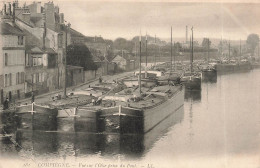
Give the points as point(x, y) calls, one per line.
point(113, 19)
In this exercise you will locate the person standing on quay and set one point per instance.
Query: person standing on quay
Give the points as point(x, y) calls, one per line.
point(6, 104)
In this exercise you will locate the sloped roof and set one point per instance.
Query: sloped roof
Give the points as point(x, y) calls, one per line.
point(33, 49)
point(36, 50)
point(50, 51)
point(8, 29)
point(117, 57)
point(75, 33)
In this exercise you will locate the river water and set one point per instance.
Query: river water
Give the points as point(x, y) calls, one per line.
point(218, 126)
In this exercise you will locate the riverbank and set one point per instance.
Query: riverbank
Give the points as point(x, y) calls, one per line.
point(48, 96)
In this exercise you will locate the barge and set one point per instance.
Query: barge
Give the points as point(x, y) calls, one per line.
point(142, 113)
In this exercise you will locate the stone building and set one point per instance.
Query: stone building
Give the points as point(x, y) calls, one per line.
point(46, 24)
point(12, 60)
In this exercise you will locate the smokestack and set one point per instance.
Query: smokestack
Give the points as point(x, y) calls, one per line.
point(186, 34)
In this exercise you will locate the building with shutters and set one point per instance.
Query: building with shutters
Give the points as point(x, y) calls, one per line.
point(12, 60)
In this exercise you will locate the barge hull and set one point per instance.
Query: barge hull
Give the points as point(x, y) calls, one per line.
point(133, 120)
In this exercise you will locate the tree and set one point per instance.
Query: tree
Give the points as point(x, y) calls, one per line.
point(123, 44)
point(235, 52)
point(177, 47)
point(206, 43)
point(252, 41)
point(79, 55)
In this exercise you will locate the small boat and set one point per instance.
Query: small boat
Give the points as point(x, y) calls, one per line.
point(233, 66)
point(36, 117)
point(209, 72)
point(192, 79)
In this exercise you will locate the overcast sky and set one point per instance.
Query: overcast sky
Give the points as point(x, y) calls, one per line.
point(125, 19)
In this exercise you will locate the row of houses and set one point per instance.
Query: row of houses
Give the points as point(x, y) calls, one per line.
point(32, 51)
point(29, 58)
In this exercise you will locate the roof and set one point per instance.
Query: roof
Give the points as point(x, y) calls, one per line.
point(71, 67)
point(75, 33)
point(50, 51)
point(117, 57)
point(33, 49)
point(125, 57)
point(96, 39)
point(36, 50)
point(8, 29)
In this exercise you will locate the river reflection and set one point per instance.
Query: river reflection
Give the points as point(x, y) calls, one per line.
point(210, 77)
point(194, 95)
point(71, 142)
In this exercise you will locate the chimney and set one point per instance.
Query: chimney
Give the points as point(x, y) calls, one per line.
point(16, 3)
point(13, 12)
point(61, 18)
point(44, 30)
point(10, 9)
point(4, 9)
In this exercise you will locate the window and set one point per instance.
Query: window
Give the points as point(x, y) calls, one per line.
point(22, 77)
point(6, 59)
point(34, 78)
point(27, 60)
point(37, 61)
point(60, 40)
point(34, 61)
point(17, 78)
point(20, 40)
point(40, 77)
point(6, 80)
point(10, 78)
point(43, 77)
point(37, 78)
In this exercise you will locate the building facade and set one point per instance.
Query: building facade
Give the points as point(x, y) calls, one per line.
point(12, 56)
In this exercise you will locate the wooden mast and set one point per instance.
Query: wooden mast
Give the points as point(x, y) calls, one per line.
point(155, 52)
point(190, 57)
point(208, 50)
point(140, 42)
point(229, 50)
point(191, 49)
point(146, 56)
point(171, 49)
point(240, 50)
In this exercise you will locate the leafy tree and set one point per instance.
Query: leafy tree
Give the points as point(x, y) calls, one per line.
point(206, 43)
point(177, 47)
point(235, 51)
point(79, 55)
point(252, 41)
point(123, 44)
